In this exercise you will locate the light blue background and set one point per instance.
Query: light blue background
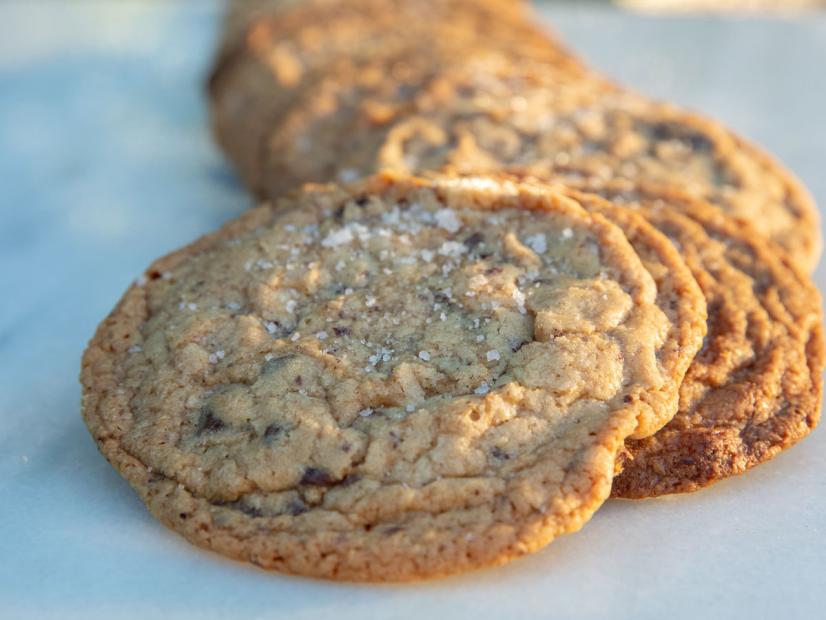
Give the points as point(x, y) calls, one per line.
point(106, 163)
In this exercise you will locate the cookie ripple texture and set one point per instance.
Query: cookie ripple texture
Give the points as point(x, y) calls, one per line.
point(755, 388)
point(274, 53)
point(399, 380)
point(332, 129)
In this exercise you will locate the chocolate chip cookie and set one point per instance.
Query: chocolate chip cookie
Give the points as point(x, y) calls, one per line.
point(343, 128)
point(394, 380)
point(615, 135)
point(755, 388)
point(274, 51)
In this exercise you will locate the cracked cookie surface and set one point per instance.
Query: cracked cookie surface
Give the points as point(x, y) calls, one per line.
point(396, 380)
point(755, 388)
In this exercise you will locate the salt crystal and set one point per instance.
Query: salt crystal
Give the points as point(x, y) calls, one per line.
point(322, 335)
point(424, 356)
point(447, 219)
point(348, 175)
point(519, 298)
point(337, 237)
point(538, 243)
point(492, 355)
point(366, 413)
point(452, 248)
point(567, 233)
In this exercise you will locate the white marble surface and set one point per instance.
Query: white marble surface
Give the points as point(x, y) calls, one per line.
point(105, 163)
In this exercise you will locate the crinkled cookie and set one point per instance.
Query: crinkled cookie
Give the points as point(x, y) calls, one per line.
point(395, 380)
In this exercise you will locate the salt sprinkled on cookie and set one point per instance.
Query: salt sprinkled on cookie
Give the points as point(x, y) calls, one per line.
point(371, 447)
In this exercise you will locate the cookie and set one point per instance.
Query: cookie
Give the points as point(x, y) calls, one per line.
point(532, 127)
point(755, 388)
point(395, 380)
point(332, 134)
point(274, 50)
point(617, 135)
point(679, 297)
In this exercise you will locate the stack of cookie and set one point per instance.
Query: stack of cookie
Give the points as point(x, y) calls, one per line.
point(486, 290)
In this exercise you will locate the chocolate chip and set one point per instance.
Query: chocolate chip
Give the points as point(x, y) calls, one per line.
point(208, 422)
point(663, 132)
point(338, 214)
point(474, 240)
point(627, 399)
point(362, 201)
point(317, 477)
point(698, 142)
point(296, 507)
point(393, 529)
point(492, 271)
point(350, 479)
point(498, 453)
point(250, 511)
point(687, 461)
point(272, 431)
point(342, 331)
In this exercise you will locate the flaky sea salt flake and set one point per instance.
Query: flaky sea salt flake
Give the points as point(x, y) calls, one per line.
point(337, 237)
point(537, 243)
point(447, 219)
